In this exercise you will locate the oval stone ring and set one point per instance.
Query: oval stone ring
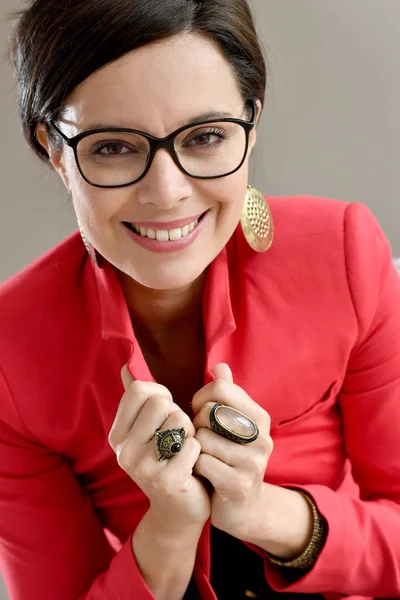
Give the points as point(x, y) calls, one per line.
point(169, 442)
point(233, 424)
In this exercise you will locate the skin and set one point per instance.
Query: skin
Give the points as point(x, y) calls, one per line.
point(157, 89)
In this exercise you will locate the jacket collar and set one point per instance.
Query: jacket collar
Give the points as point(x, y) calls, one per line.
point(218, 315)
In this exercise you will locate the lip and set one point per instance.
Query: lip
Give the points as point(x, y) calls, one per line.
point(168, 225)
point(170, 246)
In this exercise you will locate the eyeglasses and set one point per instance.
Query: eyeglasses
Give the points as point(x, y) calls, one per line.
point(111, 158)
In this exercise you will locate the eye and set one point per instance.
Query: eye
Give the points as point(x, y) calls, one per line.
point(111, 148)
point(205, 138)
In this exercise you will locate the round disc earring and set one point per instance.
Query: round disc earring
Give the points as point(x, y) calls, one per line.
point(257, 222)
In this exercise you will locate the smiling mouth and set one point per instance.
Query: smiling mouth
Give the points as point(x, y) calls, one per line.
point(164, 235)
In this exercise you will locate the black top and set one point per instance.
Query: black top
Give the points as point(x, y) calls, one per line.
point(237, 573)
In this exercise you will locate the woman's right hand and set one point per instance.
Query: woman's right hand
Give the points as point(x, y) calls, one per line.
point(177, 497)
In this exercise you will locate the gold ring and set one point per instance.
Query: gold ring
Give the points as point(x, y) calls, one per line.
point(233, 424)
point(169, 442)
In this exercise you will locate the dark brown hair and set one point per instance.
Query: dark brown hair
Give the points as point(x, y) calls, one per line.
point(57, 44)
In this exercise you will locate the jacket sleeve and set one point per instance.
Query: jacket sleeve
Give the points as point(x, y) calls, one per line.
point(52, 545)
point(362, 552)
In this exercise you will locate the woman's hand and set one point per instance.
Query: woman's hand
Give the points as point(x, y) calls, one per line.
point(177, 498)
point(235, 471)
point(165, 541)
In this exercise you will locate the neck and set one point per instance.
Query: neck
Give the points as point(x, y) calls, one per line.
point(165, 318)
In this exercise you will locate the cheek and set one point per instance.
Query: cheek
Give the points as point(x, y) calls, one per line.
point(71, 169)
point(96, 206)
point(89, 201)
point(232, 193)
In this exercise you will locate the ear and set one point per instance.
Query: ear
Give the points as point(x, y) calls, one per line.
point(259, 108)
point(253, 133)
point(55, 156)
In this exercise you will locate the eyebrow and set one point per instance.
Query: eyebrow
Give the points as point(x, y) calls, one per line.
point(208, 116)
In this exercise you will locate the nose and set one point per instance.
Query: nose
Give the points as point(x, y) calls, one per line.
point(164, 185)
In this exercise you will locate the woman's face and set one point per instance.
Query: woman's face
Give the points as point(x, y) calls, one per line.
point(157, 89)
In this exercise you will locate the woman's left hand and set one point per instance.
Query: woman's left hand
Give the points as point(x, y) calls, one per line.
point(236, 471)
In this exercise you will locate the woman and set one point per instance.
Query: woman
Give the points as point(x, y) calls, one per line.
point(147, 483)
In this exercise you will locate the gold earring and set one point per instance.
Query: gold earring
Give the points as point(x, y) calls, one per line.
point(89, 247)
point(257, 222)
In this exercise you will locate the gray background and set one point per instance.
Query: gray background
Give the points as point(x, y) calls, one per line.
point(330, 128)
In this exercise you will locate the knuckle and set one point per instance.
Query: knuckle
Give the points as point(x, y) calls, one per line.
point(144, 476)
point(260, 470)
point(198, 465)
point(111, 439)
point(219, 388)
point(164, 391)
point(194, 448)
point(256, 466)
point(195, 443)
point(114, 438)
point(200, 435)
point(124, 457)
point(183, 418)
point(243, 486)
point(204, 413)
point(136, 387)
point(194, 400)
point(159, 403)
point(189, 428)
point(149, 388)
point(266, 445)
point(164, 486)
point(267, 418)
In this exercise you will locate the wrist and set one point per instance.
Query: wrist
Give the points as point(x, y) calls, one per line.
point(165, 555)
point(283, 523)
point(169, 532)
point(309, 557)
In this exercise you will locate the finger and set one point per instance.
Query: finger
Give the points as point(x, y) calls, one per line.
point(126, 377)
point(228, 483)
point(234, 455)
point(230, 394)
point(223, 371)
point(180, 419)
point(252, 410)
point(221, 476)
point(182, 464)
point(248, 458)
point(153, 415)
point(130, 406)
point(202, 419)
point(134, 443)
point(179, 466)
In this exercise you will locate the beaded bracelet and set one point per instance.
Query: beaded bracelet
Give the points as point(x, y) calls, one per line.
point(309, 557)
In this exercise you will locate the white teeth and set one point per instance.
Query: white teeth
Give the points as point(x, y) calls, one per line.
point(162, 235)
point(175, 234)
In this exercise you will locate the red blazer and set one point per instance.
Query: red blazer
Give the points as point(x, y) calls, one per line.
point(311, 330)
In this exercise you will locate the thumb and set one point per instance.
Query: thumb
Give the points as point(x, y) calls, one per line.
point(223, 371)
point(126, 377)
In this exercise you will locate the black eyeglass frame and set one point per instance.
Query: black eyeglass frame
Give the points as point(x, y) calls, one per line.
point(168, 143)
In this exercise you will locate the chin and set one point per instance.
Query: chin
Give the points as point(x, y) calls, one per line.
point(166, 278)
